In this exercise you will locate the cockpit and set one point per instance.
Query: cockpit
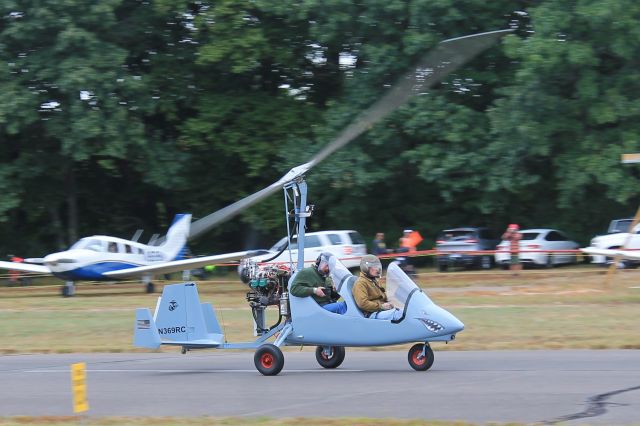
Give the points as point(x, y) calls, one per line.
point(90, 244)
point(399, 286)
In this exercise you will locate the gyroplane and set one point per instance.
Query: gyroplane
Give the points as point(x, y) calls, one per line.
point(180, 319)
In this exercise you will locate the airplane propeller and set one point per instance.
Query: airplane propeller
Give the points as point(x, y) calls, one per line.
point(448, 56)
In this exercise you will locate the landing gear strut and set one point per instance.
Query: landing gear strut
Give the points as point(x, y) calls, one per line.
point(68, 289)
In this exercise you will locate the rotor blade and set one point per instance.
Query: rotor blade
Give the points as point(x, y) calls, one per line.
point(448, 56)
point(430, 70)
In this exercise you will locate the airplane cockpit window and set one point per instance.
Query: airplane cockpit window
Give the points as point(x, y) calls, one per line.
point(80, 244)
point(399, 285)
point(113, 247)
point(89, 244)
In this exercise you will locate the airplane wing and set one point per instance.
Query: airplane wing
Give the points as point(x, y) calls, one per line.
point(624, 254)
point(448, 56)
point(25, 267)
point(177, 265)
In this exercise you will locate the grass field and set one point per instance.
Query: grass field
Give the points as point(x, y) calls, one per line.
point(572, 307)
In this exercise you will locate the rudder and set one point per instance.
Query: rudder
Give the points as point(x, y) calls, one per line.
point(179, 316)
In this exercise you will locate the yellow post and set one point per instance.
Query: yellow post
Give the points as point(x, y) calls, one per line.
point(79, 387)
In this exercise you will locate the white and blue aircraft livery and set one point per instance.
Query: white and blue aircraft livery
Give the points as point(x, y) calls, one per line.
point(105, 258)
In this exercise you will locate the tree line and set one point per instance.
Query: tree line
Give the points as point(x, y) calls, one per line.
point(116, 115)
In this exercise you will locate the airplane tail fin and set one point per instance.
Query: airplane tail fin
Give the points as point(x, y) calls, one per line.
point(174, 245)
point(180, 319)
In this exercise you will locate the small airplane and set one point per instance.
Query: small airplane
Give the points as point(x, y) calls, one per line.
point(180, 319)
point(105, 258)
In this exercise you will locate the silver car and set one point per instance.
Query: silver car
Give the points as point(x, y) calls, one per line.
point(541, 247)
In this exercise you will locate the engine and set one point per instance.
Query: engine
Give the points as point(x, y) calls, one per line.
point(267, 281)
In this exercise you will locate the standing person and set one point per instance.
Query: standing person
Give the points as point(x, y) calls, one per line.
point(408, 242)
point(314, 281)
point(369, 295)
point(513, 235)
point(379, 246)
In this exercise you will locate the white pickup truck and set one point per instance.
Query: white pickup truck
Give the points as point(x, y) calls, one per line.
point(617, 236)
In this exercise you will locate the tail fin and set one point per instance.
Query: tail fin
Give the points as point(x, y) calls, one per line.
point(175, 243)
point(180, 319)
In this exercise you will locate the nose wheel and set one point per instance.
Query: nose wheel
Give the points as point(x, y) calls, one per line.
point(330, 356)
point(418, 360)
point(268, 359)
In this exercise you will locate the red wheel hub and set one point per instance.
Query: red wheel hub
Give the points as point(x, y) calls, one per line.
point(266, 360)
point(417, 358)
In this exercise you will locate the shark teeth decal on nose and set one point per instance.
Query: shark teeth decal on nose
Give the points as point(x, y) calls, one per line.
point(431, 325)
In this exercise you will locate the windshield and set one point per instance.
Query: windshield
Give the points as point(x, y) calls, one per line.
point(338, 271)
point(399, 285)
point(621, 225)
point(89, 244)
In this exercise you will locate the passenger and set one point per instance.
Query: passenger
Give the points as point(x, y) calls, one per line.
point(369, 295)
point(314, 281)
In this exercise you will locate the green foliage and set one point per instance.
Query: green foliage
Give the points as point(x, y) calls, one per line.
point(118, 114)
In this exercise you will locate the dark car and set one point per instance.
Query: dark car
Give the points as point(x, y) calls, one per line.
point(458, 247)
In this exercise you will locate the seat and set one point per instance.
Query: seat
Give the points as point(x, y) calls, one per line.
point(345, 288)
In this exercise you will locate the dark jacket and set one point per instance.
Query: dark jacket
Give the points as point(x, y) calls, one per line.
point(306, 280)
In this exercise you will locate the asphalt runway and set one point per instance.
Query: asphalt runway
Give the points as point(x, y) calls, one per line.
point(574, 387)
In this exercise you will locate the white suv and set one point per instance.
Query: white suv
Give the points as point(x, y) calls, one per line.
point(348, 246)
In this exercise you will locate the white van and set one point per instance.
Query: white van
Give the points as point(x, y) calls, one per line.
point(346, 245)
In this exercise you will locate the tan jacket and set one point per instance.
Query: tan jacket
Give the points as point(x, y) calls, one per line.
point(368, 294)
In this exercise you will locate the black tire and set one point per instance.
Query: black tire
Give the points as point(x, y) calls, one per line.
point(268, 359)
point(332, 361)
point(150, 288)
point(416, 361)
point(486, 262)
point(549, 263)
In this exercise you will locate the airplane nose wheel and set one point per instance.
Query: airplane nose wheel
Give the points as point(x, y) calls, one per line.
point(150, 287)
point(268, 359)
point(330, 356)
point(417, 360)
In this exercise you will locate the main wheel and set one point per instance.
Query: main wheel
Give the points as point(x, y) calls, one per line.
point(268, 359)
point(419, 362)
point(150, 287)
point(331, 358)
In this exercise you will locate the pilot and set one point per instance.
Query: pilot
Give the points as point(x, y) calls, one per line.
point(314, 281)
point(369, 295)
